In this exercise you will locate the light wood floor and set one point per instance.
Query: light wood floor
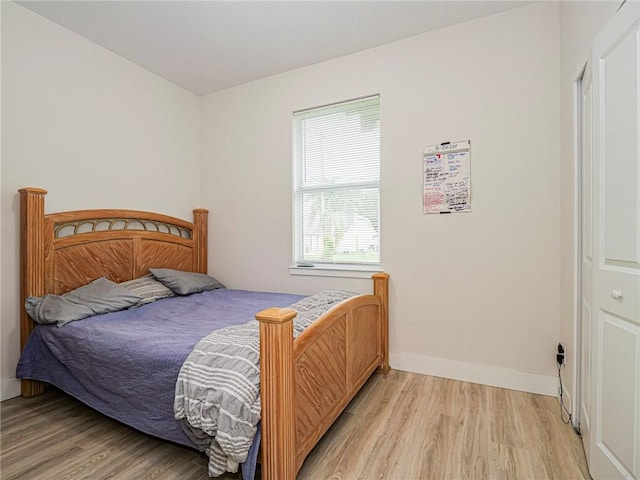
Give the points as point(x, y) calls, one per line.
point(400, 426)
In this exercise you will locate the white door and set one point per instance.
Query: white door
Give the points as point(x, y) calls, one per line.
point(615, 382)
point(586, 255)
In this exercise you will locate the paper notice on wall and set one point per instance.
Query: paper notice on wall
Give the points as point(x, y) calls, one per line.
point(447, 178)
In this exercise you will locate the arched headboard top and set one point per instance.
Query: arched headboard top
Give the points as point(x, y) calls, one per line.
point(77, 222)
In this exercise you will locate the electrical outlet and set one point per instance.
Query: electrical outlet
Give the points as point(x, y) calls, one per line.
point(560, 354)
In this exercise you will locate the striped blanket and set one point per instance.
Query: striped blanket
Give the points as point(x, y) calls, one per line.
point(218, 388)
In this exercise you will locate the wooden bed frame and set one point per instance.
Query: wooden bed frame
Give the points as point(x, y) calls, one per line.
point(305, 384)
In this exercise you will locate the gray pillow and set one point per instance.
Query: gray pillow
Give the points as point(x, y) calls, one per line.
point(185, 283)
point(98, 297)
point(148, 288)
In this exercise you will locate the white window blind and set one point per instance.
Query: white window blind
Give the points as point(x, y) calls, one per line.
point(337, 184)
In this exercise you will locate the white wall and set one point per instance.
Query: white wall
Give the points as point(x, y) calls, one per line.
point(95, 130)
point(580, 23)
point(473, 296)
point(478, 296)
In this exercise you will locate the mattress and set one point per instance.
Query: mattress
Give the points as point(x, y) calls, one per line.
point(125, 364)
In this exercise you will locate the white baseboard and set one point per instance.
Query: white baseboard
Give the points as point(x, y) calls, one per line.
point(438, 367)
point(9, 388)
point(474, 373)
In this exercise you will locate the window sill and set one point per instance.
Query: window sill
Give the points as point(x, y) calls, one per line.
point(346, 271)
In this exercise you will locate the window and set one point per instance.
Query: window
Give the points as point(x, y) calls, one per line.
point(337, 184)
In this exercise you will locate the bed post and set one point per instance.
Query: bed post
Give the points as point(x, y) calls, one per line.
point(381, 290)
point(277, 389)
point(32, 275)
point(200, 218)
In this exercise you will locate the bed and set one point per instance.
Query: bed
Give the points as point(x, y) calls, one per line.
point(304, 383)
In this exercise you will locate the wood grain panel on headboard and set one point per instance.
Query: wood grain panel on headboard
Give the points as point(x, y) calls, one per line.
point(62, 251)
point(154, 253)
point(77, 265)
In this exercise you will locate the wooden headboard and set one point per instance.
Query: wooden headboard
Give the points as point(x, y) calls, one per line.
point(62, 251)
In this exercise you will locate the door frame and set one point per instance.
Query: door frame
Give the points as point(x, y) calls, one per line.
point(577, 247)
point(578, 244)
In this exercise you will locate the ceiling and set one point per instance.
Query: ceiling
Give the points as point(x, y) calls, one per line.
point(206, 46)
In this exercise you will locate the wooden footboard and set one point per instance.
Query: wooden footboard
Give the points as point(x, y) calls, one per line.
point(307, 383)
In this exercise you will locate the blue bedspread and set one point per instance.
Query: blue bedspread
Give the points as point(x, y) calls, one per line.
point(125, 364)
